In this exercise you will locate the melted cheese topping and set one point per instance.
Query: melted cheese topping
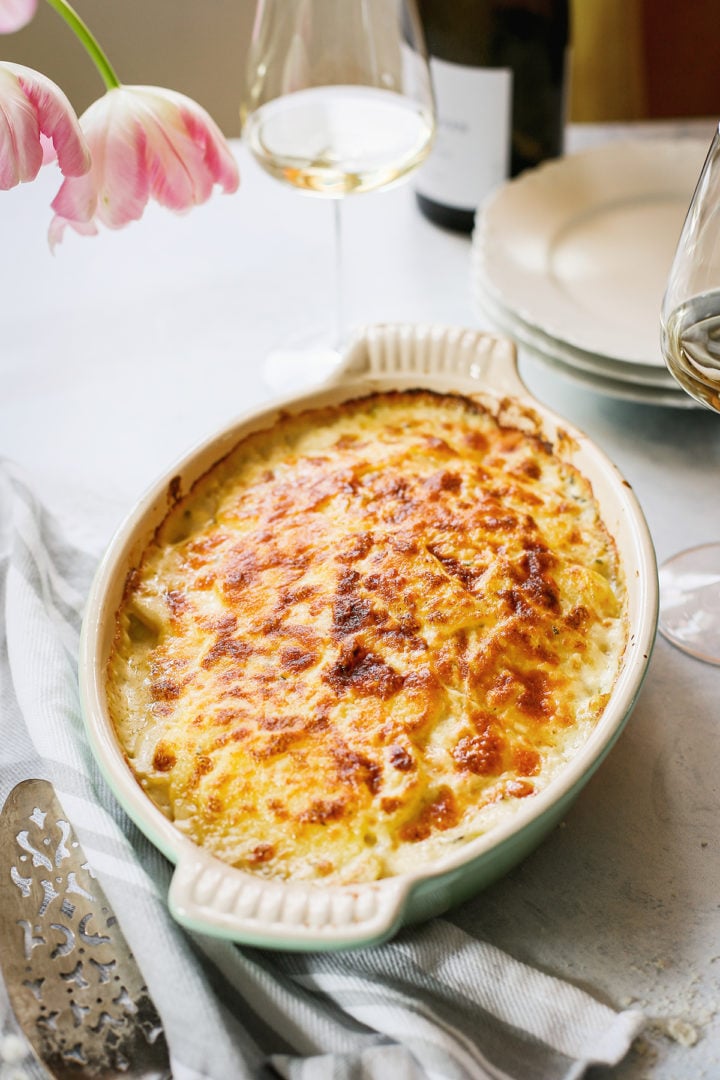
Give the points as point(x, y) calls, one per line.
point(367, 635)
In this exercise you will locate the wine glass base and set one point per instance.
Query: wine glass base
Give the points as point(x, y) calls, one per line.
point(690, 602)
point(300, 365)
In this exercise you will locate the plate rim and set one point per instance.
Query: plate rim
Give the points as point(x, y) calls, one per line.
point(668, 395)
point(487, 245)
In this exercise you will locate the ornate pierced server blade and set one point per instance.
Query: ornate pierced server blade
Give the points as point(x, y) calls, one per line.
point(73, 983)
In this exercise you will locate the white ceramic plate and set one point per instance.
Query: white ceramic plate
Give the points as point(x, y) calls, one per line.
point(642, 375)
point(623, 391)
point(580, 248)
point(574, 366)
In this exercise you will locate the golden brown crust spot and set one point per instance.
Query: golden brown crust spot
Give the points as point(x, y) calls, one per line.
point(321, 811)
point(440, 814)
point(261, 853)
point(361, 672)
point(164, 758)
point(226, 648)
point(400, 759)
point(519, 789)
point(177, 601)
point(527, 762)
point(481, 754)
point(353, 769)
point(578, 617)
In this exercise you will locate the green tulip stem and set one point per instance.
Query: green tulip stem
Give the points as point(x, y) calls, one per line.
point(81, 31)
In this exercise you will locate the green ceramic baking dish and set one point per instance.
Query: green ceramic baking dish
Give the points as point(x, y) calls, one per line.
point(214, 898)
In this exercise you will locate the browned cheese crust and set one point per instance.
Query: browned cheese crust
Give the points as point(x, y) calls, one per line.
point(366, 637)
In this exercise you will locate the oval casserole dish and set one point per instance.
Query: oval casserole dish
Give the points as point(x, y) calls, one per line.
point(212, 897)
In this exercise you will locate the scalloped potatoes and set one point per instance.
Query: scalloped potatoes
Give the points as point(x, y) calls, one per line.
point(367, 635)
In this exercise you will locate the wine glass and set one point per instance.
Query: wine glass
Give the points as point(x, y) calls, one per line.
point(338, 102)
point(690, 335)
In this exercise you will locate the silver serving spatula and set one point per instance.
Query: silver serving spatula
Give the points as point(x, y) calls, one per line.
point(76, 990)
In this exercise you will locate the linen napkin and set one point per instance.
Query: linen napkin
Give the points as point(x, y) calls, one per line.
point(435, 1002)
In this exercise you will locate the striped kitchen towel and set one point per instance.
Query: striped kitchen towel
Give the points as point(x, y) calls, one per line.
point(435, 1002)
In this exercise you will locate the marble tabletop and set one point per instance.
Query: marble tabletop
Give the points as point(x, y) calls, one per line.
point(122, 351)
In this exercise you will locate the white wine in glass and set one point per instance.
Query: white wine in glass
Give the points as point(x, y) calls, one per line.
point(338, 102)
point(690, 334)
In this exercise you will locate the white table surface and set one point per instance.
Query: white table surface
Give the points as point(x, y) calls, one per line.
point(122, 351)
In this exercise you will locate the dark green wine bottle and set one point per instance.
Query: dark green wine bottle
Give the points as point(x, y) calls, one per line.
point(499, 72)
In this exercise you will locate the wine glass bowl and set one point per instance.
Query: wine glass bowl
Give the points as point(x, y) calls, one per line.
point(690, 317)
point(690, 339)
point(338, 102)
point(339, 140)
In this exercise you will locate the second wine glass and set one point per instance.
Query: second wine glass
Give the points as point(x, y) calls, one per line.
point(690, 335)
point(338, 102)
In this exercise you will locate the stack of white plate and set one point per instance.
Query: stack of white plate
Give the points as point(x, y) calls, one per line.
point(572, 258)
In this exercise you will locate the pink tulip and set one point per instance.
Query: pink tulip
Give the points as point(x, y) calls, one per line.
point(14, 14)
point(33, 107)
point(146, 142)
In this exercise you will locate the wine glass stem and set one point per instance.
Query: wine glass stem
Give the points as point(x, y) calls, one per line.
point(339, 291)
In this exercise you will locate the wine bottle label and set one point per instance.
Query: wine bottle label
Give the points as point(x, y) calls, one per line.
point(471, 153)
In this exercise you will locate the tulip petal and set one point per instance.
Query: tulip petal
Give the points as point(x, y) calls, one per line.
point(116, 189)
point(175, 175)
point(21, 154)
point(217, 156)
point(201, 145)
point(117, 141)
point(31, 106)
point(57, 120)
point(14, 14)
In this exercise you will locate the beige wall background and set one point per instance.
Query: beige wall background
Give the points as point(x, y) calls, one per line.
point(631, 59)
point(195, 46)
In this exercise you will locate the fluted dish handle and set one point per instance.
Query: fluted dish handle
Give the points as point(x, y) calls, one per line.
point(210, 897)
point(476, 357)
